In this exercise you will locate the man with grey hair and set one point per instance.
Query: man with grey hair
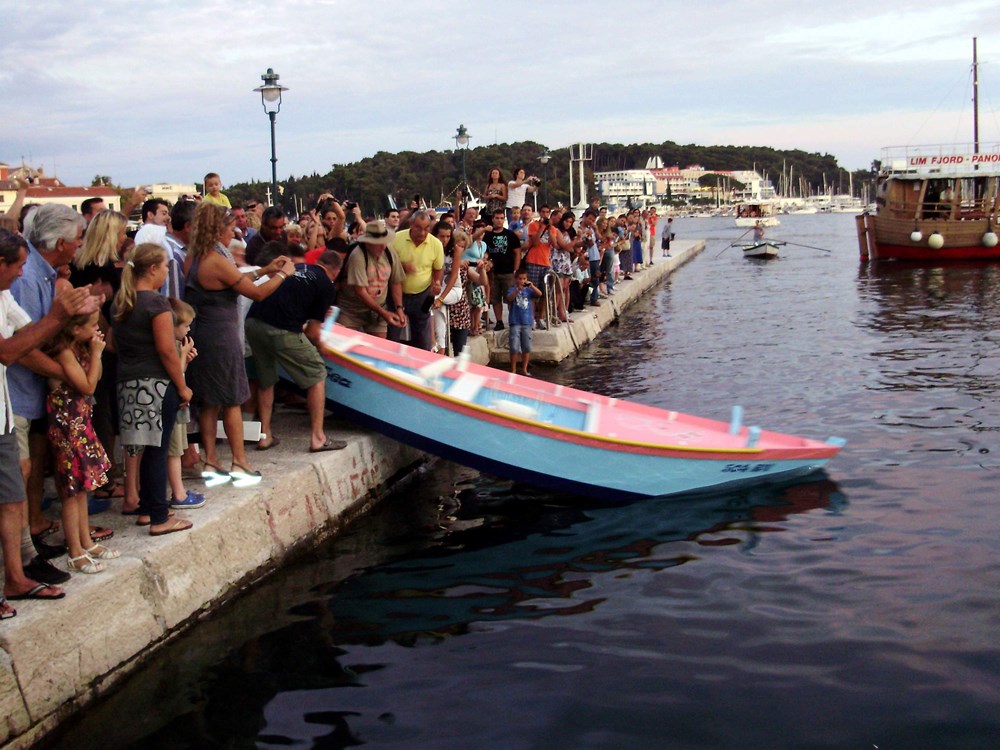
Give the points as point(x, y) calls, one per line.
point(55, 235)
point(422, 257)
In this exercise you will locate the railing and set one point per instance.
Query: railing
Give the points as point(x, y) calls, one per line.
point(551, 287)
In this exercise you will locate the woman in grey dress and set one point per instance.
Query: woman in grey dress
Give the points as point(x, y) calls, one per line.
point(218, 375)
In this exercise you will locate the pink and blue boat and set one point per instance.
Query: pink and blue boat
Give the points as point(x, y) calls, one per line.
point(550, 435)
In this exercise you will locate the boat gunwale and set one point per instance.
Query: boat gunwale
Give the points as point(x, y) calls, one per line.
point(813, 449)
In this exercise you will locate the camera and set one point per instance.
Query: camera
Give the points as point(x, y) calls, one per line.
point(350, 205)
point(534, 181)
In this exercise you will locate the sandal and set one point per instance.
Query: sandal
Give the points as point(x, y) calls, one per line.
point(243, 477)
point(35, 594)
point(175, 526)
point(100, 552)
point(89, 565)
point(100, 533)
point(149, 520)
point(213, 475)
point(271, 442)
point(110, 490)
point(52, 528)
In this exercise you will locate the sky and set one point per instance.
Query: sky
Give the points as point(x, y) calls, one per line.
point(162, 91)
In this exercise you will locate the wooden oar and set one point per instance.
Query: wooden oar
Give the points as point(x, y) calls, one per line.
point(811, 247)
point(733, 243)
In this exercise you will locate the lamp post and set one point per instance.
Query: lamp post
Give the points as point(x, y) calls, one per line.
point(462, 142)
point(270, 98)
point(544, 159)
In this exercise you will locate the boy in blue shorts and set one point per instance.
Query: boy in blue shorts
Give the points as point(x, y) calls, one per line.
point(521, 298)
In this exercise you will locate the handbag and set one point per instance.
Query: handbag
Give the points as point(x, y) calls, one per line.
point(453, 295)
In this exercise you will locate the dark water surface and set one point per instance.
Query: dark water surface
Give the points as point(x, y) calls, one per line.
point(858, 609)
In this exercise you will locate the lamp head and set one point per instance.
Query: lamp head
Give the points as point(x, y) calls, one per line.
point(270, 91)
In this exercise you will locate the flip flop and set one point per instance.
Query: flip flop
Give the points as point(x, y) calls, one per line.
point(34, 592)
point(6, 611)
point(329, 445)
point(110, 491)
point(134, 512)
point(52, 528)
point(177, 525)
point(274, 441)
point(170, 514)
point(100, 533)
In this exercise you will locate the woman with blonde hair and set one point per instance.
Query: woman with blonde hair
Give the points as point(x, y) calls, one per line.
point(105, 236)
point(98, 263)
point(151, 385)
point(218, 375)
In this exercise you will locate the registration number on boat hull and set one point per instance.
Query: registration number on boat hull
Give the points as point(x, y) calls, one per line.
point(747, 468)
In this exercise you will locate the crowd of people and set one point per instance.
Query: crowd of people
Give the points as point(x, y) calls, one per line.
point(114, 348)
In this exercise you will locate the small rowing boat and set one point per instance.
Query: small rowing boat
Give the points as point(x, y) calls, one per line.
point(550, 435)
point(762, 249)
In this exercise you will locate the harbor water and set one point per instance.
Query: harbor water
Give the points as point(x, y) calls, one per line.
point(852, 609)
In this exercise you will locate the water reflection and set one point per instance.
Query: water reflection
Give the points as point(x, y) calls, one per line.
point(935, 349)
point(539, 559)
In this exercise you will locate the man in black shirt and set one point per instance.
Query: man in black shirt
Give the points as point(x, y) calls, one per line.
point(503, 248)
point(284, 329)
point(272, 228)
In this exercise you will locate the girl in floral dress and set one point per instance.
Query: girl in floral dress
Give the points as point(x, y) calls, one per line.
point(81, 465)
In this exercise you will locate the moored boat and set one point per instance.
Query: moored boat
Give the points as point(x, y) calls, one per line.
point(550, 435)
point(751, 213)
point(934, 203)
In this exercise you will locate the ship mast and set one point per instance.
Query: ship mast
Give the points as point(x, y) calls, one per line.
point(975, 99)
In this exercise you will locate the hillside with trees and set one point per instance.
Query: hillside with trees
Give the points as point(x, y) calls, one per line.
point(436, 176)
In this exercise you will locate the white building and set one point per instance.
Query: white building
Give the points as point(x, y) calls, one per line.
point(655, 183)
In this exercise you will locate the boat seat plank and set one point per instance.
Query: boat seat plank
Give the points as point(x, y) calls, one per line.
point(466, 387)
point(341, 343)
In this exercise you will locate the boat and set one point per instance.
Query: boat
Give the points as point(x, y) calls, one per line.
point(760, 249)
point(749, 213)
point(935, 203)
point(549, 435)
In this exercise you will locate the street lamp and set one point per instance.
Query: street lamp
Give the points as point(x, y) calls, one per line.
point(544, 159)
point(462, 141)
point(270, 98)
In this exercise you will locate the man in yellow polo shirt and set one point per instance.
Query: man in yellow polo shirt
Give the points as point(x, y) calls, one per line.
point(422, 256)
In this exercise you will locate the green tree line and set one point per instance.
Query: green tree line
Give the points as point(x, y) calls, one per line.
point(436, 176)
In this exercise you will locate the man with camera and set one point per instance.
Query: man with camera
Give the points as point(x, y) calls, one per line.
point(518, 189)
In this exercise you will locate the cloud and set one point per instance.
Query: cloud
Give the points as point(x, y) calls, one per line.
point(154, 92)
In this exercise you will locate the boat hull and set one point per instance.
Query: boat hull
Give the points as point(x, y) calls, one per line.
point(765, 221)
point(760, 250)
point(527, 450)
point(885, 238)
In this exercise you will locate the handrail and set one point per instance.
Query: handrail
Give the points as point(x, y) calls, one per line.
point(550, 280)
